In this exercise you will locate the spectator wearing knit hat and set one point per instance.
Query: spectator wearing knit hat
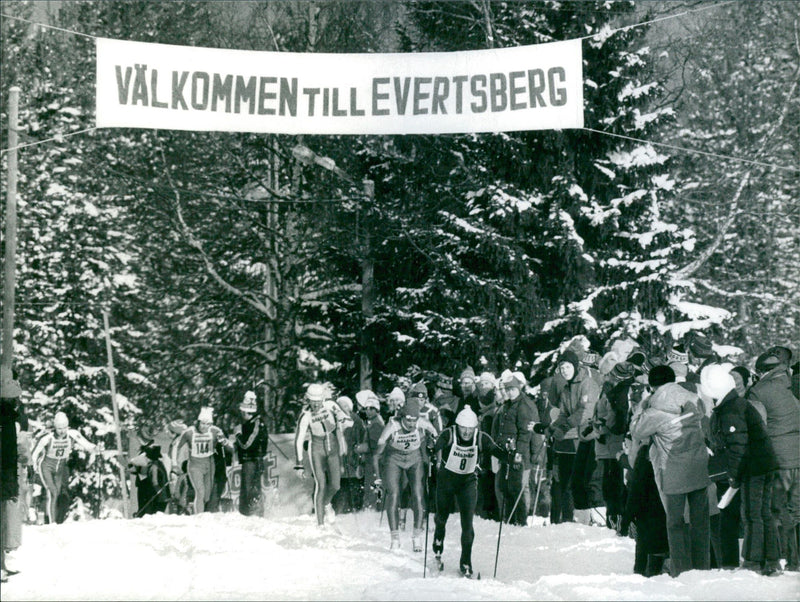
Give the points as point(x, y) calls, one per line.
point(510, 430)
point(672, 418)
point(466, 390)
point(782, 410)
point(577, 403)
point(367, 446)
point(739, 437)
point(251, 439)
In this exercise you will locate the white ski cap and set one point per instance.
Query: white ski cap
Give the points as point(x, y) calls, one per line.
point(60, 421)
point(467, 418)
point(206, 415)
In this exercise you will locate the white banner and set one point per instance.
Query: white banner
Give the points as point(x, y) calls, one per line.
point(160, 86)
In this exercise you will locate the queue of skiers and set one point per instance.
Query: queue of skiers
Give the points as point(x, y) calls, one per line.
point(680, 450)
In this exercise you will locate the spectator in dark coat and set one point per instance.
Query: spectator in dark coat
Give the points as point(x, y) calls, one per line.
point(511, 432)
point(739, 436)
point(251, 440)
point(782, 411)
point(10, 519)
point(643, 508)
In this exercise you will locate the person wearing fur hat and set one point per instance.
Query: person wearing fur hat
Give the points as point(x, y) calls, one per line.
point(461, 447)
point(202, 439)
point(510, 430)
point(349, 496)
point(467, 390)
point(367, 446)
point(403, 438)
point(323, 421)
point(50, 458)
point(672, 418)
point(773, 393)
point(152, 480)
point(251, 439)
point(740, 437)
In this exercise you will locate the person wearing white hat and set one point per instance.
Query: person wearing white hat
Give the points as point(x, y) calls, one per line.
point(739, 436)
point(461, 446)
point(370, 406)
point(251, 439)
point(323, 421)
point(202, 439)
point(50, 458)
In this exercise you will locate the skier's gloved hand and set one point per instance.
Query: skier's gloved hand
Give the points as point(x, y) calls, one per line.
point(300, 471)
point(517, 459)
point(537, 427)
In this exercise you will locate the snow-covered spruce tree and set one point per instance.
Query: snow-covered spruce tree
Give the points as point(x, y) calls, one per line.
point(73, 254)
point(735, 82)
point(503, 236)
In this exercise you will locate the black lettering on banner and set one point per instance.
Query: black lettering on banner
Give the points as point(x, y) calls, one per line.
point(498, 90)
point(140, 86)
point(288, 97)
point(178, 83)
point(514, 89)
point(325, 101)
point(459, 80)
point(535, 89)
point(336, 111)
point(477, 85)
point(221, 90)
point(376, 96)
point(419, 95)
point(245, 92)
point(264, 95)
point(558, 96)
point(441, 90)
point(311, 93)
point(401, 96)
point(200, 104)
point(354, 110)
point(123, 87)
point(154, 87)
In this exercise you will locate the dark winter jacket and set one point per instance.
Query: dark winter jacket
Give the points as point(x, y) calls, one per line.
point(9, 483)
point(611, 419)
point(251, 440)
point(576, 402)
point(739, 437)
point(643, 506)
point(783, 415)
point(511, 423)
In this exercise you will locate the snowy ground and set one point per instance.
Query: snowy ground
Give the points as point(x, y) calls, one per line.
point(231, 557)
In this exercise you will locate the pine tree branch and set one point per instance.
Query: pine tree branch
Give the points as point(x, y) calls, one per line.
point(197, 245)
point(734, 211)
point(257, 350)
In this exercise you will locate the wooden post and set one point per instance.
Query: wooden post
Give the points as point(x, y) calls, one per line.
point(10, 264)
point(117, 431)
point(367, 295)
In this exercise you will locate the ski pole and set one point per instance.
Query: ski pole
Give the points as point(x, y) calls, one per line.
point(427, 525)
point(502, 518)
point(519, 497)
point(539, 480)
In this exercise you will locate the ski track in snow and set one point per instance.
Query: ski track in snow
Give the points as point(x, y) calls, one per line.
point(231, 557)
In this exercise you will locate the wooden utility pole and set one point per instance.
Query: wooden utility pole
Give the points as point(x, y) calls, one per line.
point(10, 265)
point(120, 460)
point(367, 294)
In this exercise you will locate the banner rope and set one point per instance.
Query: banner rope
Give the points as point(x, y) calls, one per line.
point(692, 150)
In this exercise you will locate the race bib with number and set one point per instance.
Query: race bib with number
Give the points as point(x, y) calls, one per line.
point(59, 448)
point(406, 442)
point(202, 445)
point(463, 458)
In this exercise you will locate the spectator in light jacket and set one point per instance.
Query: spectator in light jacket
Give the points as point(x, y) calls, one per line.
point(671, 418)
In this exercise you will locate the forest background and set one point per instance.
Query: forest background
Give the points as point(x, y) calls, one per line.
point(227, 264)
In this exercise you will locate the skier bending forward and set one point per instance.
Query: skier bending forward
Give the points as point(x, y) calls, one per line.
point(460, 446)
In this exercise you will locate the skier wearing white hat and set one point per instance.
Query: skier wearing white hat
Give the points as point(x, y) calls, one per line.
point(461, 445)
point(50, 459)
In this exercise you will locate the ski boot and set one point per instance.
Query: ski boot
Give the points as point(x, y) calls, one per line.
point(438, 548)
point(466, 570)
point(330, 515)
point(416, 540)
point(395, 542)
